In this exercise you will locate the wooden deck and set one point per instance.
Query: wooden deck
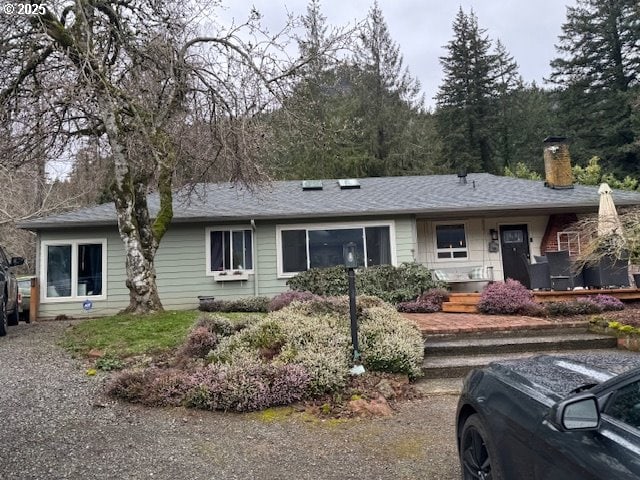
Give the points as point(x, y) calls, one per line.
point(467, 302)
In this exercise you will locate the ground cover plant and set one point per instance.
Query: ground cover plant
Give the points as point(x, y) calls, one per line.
point(506, 298)
point(301, 351)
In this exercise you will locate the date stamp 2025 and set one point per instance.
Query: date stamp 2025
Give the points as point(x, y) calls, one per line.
point(23, 8)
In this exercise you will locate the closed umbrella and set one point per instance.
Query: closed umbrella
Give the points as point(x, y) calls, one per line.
point(608, 220)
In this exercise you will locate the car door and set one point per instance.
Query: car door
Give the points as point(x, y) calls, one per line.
point(610, 452)
point(10, 279)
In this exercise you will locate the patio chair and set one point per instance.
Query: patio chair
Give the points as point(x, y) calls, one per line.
point(561, 272)
point(539, 276)
point(609, 272)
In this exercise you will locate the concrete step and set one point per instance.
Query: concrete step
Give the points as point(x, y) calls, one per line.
point(458, 308)
point(512, 344)
point(458, 366)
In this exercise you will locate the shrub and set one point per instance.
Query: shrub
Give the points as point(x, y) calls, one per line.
point(429, 302)
point(247, 386)
point(390, 343)
point(285, 299)
point(109, 363)
point(248, 304)
point(565, 309)
point(130, 385)
point(199, 342)
point(263, 336)
point(605, 302)
point(505, 298)
point(219, 325)
point(391, 284)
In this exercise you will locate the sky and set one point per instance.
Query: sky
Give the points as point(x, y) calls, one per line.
point(421, 28)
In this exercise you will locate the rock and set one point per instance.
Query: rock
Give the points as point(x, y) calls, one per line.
point(378, 407)
point(95, 353)
point(385, 388)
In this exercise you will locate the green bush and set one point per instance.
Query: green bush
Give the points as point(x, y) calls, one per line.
point(390, 343)
point(391, 284)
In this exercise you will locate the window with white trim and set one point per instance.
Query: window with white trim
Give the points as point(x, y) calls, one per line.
point(569, 241)
point(229, 249)
point(305, 247)
point(451, 241)
point(75, 269)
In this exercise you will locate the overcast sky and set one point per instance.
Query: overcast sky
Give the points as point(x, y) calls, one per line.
point(528, 28)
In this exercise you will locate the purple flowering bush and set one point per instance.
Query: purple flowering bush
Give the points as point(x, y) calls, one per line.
point(285, 299)
point(605, 302)
point(505, 298)
point(429, 302)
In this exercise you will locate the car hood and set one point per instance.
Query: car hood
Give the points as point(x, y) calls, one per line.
point(555, 376)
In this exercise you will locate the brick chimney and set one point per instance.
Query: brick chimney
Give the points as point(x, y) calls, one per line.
point(557, 163)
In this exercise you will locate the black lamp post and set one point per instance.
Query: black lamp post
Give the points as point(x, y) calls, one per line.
point(351, 263)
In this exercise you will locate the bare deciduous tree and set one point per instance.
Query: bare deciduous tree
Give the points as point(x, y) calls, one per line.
point(147, 79)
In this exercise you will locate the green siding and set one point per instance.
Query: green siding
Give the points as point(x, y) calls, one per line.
point(181, 268)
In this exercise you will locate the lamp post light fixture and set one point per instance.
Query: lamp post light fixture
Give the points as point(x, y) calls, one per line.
point(351, 263)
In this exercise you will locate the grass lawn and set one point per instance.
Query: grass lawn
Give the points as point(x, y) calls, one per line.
point(121, 336)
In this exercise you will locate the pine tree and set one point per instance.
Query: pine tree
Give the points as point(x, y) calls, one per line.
point(598, 72)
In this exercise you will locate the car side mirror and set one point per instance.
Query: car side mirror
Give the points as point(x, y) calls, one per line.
point(577, 413)
point(15, 261)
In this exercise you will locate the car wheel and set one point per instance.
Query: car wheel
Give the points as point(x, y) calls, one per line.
point(478, 458)
point(3, 318)
point(13, 318)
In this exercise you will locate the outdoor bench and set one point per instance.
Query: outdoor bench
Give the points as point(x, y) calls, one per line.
point(463, 278)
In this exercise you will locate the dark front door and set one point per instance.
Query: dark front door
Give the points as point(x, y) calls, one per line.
point(514, 241)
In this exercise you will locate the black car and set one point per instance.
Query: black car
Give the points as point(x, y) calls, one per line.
point(552, 418)
point(9, 304)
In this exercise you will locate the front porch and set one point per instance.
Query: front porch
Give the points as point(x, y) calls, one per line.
point(467, 302)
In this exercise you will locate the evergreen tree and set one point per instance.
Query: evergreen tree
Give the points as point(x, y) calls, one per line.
point(468, 107)
point(388, 95)
point(598, 72)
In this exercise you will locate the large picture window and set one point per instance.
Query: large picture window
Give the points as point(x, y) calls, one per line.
point(451, 241)
point(229, 249)
point(74, 269)
point(307, 247)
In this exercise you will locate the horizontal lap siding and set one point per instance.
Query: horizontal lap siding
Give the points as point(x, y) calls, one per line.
point(181, 270)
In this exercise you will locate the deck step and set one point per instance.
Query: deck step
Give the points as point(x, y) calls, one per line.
point(464, 299)
point(458, 308)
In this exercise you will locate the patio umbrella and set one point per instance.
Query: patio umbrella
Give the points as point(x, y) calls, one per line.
point(608, 220)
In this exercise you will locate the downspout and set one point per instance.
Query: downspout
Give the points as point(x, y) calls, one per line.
point(255, 260)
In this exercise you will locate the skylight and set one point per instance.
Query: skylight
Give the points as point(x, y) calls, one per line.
point(312, 185)
point(346, 183)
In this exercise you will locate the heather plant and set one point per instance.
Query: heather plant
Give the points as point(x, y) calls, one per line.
point(390, 343)
point(247, 385)
point(605, 302)
point(130, 385)
point(265, 335)
point(429, 302)
point(285, 299)
point(199, 342)
point(567, 309)
point(505, 298)
point(248, 304)
point(167, 388)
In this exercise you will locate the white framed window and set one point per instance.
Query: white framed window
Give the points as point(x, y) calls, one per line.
point(304, 246)
point(229, 249)
point(451, 241)
point(74, 269)
point(569, 241)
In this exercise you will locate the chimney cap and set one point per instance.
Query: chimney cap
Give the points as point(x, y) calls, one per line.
point(553, 139)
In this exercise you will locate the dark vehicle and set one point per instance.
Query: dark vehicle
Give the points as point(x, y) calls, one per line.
point(24, 289)
point(552, 418)
point(9, 304)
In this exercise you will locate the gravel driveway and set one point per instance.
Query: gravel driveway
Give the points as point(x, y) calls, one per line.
point(55, 424)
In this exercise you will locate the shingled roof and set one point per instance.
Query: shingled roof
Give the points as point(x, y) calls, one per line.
point(432, 196)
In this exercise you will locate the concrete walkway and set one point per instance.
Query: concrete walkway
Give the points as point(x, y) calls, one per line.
point(441, 323)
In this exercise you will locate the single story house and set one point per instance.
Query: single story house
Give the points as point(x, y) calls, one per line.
point(227, 241)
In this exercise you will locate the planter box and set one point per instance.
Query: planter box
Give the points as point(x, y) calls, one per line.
point(230, 276)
